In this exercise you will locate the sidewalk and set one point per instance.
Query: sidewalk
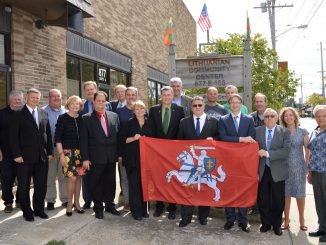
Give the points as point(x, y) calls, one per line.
point(85, 229)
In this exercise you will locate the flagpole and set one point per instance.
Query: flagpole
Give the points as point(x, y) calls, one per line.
point(207, 36)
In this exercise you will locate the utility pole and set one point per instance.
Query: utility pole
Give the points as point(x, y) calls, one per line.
point(270, 7)
point(322, 70)
point(301, 92)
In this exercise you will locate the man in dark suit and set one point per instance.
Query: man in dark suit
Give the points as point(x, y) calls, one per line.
point(90, 88)
point(197, 126)
point(8, 168)
point(98, 146)
point(166, 118)
point(178, 97)
point(120, 91)
point(274, 148)
point(31, 145)
point(236, 127)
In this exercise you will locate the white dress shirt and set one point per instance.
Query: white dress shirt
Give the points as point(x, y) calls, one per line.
point(201, 120)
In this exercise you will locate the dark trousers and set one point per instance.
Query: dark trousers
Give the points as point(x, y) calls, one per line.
point(187, 211)
point(271, 200)
point(102, 185)
point(137, 206)
point(232, 216)
point(86, 188)
point(160, 206)
point(8, 171)
point(319, 184)
point(39, 172)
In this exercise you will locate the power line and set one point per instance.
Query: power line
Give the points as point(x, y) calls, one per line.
point(310, 11)
point(315, 11)
point(299, 11)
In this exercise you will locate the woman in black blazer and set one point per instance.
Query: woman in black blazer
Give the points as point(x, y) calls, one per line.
point(137, 127)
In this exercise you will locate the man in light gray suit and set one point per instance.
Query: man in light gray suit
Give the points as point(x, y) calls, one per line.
point(274, 148)
point(178, 97)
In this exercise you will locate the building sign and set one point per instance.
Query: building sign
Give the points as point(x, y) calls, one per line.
point(204, 72)
point(102, 75)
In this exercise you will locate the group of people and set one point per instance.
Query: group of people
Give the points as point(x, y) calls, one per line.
point(81, 142)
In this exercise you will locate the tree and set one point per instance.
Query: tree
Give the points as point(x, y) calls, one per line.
point(278, 86)
point(316, 99)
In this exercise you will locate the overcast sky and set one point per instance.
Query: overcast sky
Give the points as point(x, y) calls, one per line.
point(300, 47)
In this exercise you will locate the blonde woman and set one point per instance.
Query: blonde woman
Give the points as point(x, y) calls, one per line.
point(67, 141)
point(295, 185)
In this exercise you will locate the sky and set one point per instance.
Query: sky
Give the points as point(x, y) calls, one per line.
point(300, 47)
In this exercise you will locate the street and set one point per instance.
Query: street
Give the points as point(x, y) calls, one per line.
point(85, 229)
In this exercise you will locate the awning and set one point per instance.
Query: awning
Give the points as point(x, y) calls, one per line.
point(51, 11)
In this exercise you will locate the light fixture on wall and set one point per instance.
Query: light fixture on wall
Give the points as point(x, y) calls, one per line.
point(40, 24)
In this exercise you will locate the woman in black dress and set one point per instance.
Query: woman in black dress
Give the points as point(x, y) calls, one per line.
point(137, 127)
point(67, 142)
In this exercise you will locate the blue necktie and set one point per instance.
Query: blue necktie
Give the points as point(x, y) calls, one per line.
point(268, 145)
point(198, 126)
point(236, 123)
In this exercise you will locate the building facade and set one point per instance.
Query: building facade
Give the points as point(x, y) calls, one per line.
point(62, 43)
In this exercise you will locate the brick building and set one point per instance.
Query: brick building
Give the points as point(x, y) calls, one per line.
point(62, 43)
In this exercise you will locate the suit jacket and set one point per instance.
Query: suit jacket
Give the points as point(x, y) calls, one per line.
point(186, 104)
point(108, 107)
point(95, 146)
point(278, 152)
point(228, 132)
point(155, 114)
point(114, 105)
point(29, 141)
point(187, 129)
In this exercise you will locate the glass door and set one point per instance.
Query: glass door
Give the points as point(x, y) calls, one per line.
point(4, 81)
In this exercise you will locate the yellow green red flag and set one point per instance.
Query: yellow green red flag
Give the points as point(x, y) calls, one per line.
point(168, 38)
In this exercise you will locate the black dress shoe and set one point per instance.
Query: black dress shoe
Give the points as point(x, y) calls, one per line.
point(99, 215)
point(64, 204)
point(322, 238)
point(80, 211)
point(145, 215)
point(316, 233)
point(87, 205)
point(113, 211)
point(203, 221)
point(157, 213)
point(184, 223)
point(264, 228)
point(171, 215)
point(42, 215)
point(278, 232)
point(138, 218)
point(244, 227)
point(228, 225)
point(68, 213)
point(50, 206)
point(29, 217)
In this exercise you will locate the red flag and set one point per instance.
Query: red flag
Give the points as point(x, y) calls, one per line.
point(228, 176)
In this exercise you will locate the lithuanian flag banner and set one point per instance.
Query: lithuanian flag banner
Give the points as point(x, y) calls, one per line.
point(168, 38)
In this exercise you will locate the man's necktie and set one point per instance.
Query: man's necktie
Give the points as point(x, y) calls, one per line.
point(198, 126)
point(34, 116)
point(104, 126)
point(236, 123)
point(268, 145)
point(166, 120)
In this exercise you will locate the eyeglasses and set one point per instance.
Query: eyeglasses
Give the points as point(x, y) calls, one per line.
point(269, 116)
point(197, 105)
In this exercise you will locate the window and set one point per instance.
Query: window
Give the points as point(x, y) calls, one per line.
point(2, 49)
point(73, 76)
point(154, 92)
point(80, 71)
point(75, 19)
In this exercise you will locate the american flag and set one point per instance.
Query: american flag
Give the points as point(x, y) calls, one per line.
point(203, 20)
